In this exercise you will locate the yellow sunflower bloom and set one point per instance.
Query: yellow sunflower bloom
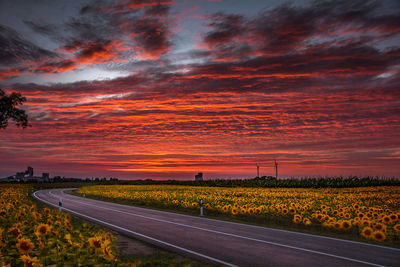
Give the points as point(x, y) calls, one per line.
point(25, 245)
point(345, 225)
point(107, 250)
point(30, 262)
point(367, 232)
point(14, 231)
point(43, 229)
point(95, 242)
point(379, 236)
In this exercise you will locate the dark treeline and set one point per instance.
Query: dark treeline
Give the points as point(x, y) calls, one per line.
point(306, 182)
point(333, 182)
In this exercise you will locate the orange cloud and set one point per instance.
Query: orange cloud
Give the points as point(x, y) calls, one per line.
point(138, 4)
point(98, 52)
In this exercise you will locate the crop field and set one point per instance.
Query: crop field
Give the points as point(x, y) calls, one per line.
point(30, 236)
point(369, 213)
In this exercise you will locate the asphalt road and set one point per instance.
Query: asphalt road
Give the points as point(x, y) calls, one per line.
point(220, 242)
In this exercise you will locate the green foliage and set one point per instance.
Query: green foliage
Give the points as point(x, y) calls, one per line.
point(322, 182)
point(9, 110)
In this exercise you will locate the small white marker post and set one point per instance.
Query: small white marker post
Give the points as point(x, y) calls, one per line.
point(201, 207)
point(59, 205)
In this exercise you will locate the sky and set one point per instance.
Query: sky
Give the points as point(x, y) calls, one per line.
point(140, 89)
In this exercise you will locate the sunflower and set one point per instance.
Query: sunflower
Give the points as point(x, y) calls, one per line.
point(68, 225)
point(234, 211)
point(68, 238)
point(46, 210)
point(297, 219)
point(386, 219)
point(366, 223)
point(95, 242)
point(107, 250)
point(250, 211)
point(15, 231)
point(25, 245)
point(379, 236)
point(345, 225)
point(380, 227)
point(30, 262)
point(337, 225)
point(397, 228)
point(306, 221)
point(367, 232)
point(393, 217)
point(43, 229)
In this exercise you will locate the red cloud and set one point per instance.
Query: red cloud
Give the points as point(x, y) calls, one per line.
point(98, 52)
point(56, 67)
point(137, 4)
point(8, 73)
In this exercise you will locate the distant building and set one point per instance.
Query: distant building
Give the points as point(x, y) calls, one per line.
point(27, 176)
point(198, 177)
point(29, 172)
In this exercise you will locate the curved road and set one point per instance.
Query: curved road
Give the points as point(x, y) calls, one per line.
point(220, 242)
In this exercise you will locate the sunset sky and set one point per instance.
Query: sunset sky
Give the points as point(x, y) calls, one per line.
point(165, 89)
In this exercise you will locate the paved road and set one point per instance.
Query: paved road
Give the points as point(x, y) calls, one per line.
point(223, 243)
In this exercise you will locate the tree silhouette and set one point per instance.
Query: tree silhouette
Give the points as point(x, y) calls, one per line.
point(9, 110)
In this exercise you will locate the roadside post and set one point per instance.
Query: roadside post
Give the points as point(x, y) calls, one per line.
point(59, 205)
point(201, 207)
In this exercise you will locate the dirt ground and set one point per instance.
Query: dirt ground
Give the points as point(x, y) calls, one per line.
point(130, 246)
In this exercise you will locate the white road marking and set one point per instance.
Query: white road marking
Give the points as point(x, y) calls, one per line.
point(138, 234)
point(227, 234)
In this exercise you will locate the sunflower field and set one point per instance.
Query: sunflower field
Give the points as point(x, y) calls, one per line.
point(370, 213)
point(30, 236)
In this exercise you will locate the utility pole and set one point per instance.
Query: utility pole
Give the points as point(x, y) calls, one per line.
point(276, 169)
point(258, 170)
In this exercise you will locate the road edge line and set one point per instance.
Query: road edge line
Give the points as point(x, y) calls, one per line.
point(138, 234)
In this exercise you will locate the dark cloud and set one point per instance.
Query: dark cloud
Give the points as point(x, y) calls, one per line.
point(146, 34)
point(14, 49)
point(86, 9)
point(158, 10)
point(225, 27)
point(290, 29)
point(152, 36)
point(41, 28)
